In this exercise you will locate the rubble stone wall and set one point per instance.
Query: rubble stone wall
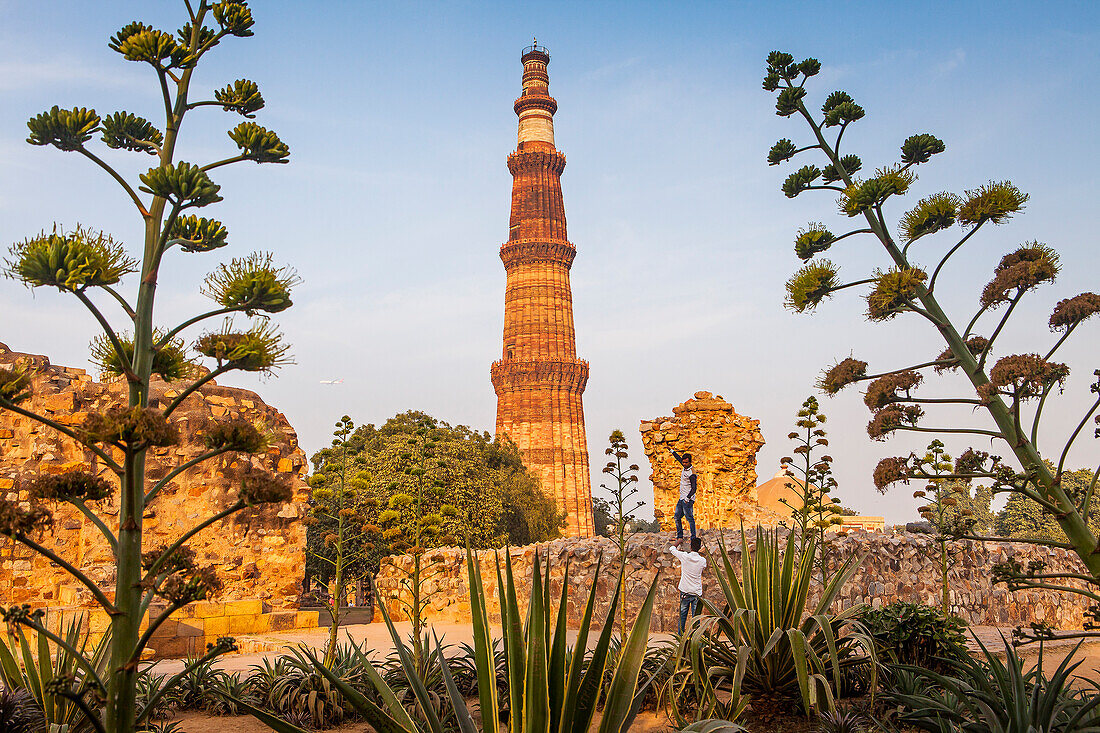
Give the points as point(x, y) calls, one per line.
point(258, 552)
point(900, 566)
point(723, 446)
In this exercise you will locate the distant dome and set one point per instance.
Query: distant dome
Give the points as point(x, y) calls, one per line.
point(781, 486)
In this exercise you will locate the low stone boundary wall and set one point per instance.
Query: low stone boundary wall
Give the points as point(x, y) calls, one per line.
point(897, 566)
point(190, 629)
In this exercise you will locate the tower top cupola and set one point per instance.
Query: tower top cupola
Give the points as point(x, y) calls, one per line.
point(535, 107)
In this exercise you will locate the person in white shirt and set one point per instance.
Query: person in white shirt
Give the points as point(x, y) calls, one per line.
point(685, 507)
point(691, 579)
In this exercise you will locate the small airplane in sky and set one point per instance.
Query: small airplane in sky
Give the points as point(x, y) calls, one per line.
point(332, 381)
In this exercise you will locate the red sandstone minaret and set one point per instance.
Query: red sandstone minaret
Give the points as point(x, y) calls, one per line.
point(539, 379)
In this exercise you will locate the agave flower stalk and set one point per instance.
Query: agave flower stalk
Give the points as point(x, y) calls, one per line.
point(90, 267)
point(1011, 393)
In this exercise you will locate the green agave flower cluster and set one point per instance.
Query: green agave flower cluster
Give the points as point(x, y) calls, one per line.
point(235, 18)
point(851, 165)
point(184, 184)
point(252, 284)
point(893, 290)
point(15, 384)
point(931, 214)
point(69, 261)
point(862, 195)
point(143, 43)
point(259, 349)
point(259, 144)
point(125, 131)
point(813, 239)
point(65, 129)
point(170, 361)
point(197, 234)
point(810, 285)
point(242, 96)
point(841, 109)
point(238, 435)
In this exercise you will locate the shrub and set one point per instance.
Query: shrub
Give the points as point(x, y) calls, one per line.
point(768, 642)
point(990, 695)
point(916, 635)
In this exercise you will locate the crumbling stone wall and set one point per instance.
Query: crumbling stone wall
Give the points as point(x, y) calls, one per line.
point(723, 446)
point(901, 566)
point(258, 552)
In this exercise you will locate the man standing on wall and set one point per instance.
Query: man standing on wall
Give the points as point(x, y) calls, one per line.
point(691, 579)
point(685, 507)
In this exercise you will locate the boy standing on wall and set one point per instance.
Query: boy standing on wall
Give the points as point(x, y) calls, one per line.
point(685, 507)
point(691, 579)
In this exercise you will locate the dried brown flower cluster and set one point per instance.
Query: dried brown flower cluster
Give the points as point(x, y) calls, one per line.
point(890, 470)
point(843, 373)
point(975, 344)
point(76, 486)
point(130, 428)
point(1071, 311)
point(885, 390)
point(892, 417)
point(262, 487)
point(18, 520)
point(1023, 376)
point(236, 435)
point(1020, 271)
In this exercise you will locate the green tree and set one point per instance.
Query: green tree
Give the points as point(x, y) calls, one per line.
point(621, 512)
point(1010, 391)
point(1022, 518)
point(815, 512)
point(90, 266)
point(497, 499)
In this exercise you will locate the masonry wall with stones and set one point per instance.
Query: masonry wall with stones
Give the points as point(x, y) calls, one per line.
point(723, 446)
point(899, 566)
point(258, 552)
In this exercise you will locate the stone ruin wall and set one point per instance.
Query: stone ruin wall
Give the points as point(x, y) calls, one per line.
point(723, 446)
point(258, 552)
point(895, 567)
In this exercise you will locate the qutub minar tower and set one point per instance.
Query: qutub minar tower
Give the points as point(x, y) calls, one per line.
point(539, 379)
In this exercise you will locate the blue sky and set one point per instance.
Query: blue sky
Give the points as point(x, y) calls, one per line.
point(392, 210)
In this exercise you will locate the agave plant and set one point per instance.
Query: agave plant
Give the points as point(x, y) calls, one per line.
point(549, 689)
point(768, 643)
point(29, 666)
point(990, 695)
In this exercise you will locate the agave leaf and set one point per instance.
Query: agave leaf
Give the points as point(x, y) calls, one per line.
point(45, 670)
point(389, 699)
point(580, 646)
point(798, 651)
point(30, 665)
point(588, 691)
point(618, 710)
point(484, 657)
point(378, 718)
point(558, 653)
point(423, 698)
point(514, 646)
point(276, 724)
point(10, 673)
point(462, 713)
point(536, 698)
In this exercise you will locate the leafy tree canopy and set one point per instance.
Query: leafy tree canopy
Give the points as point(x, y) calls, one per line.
point(497, 500)
point(1022, 518)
